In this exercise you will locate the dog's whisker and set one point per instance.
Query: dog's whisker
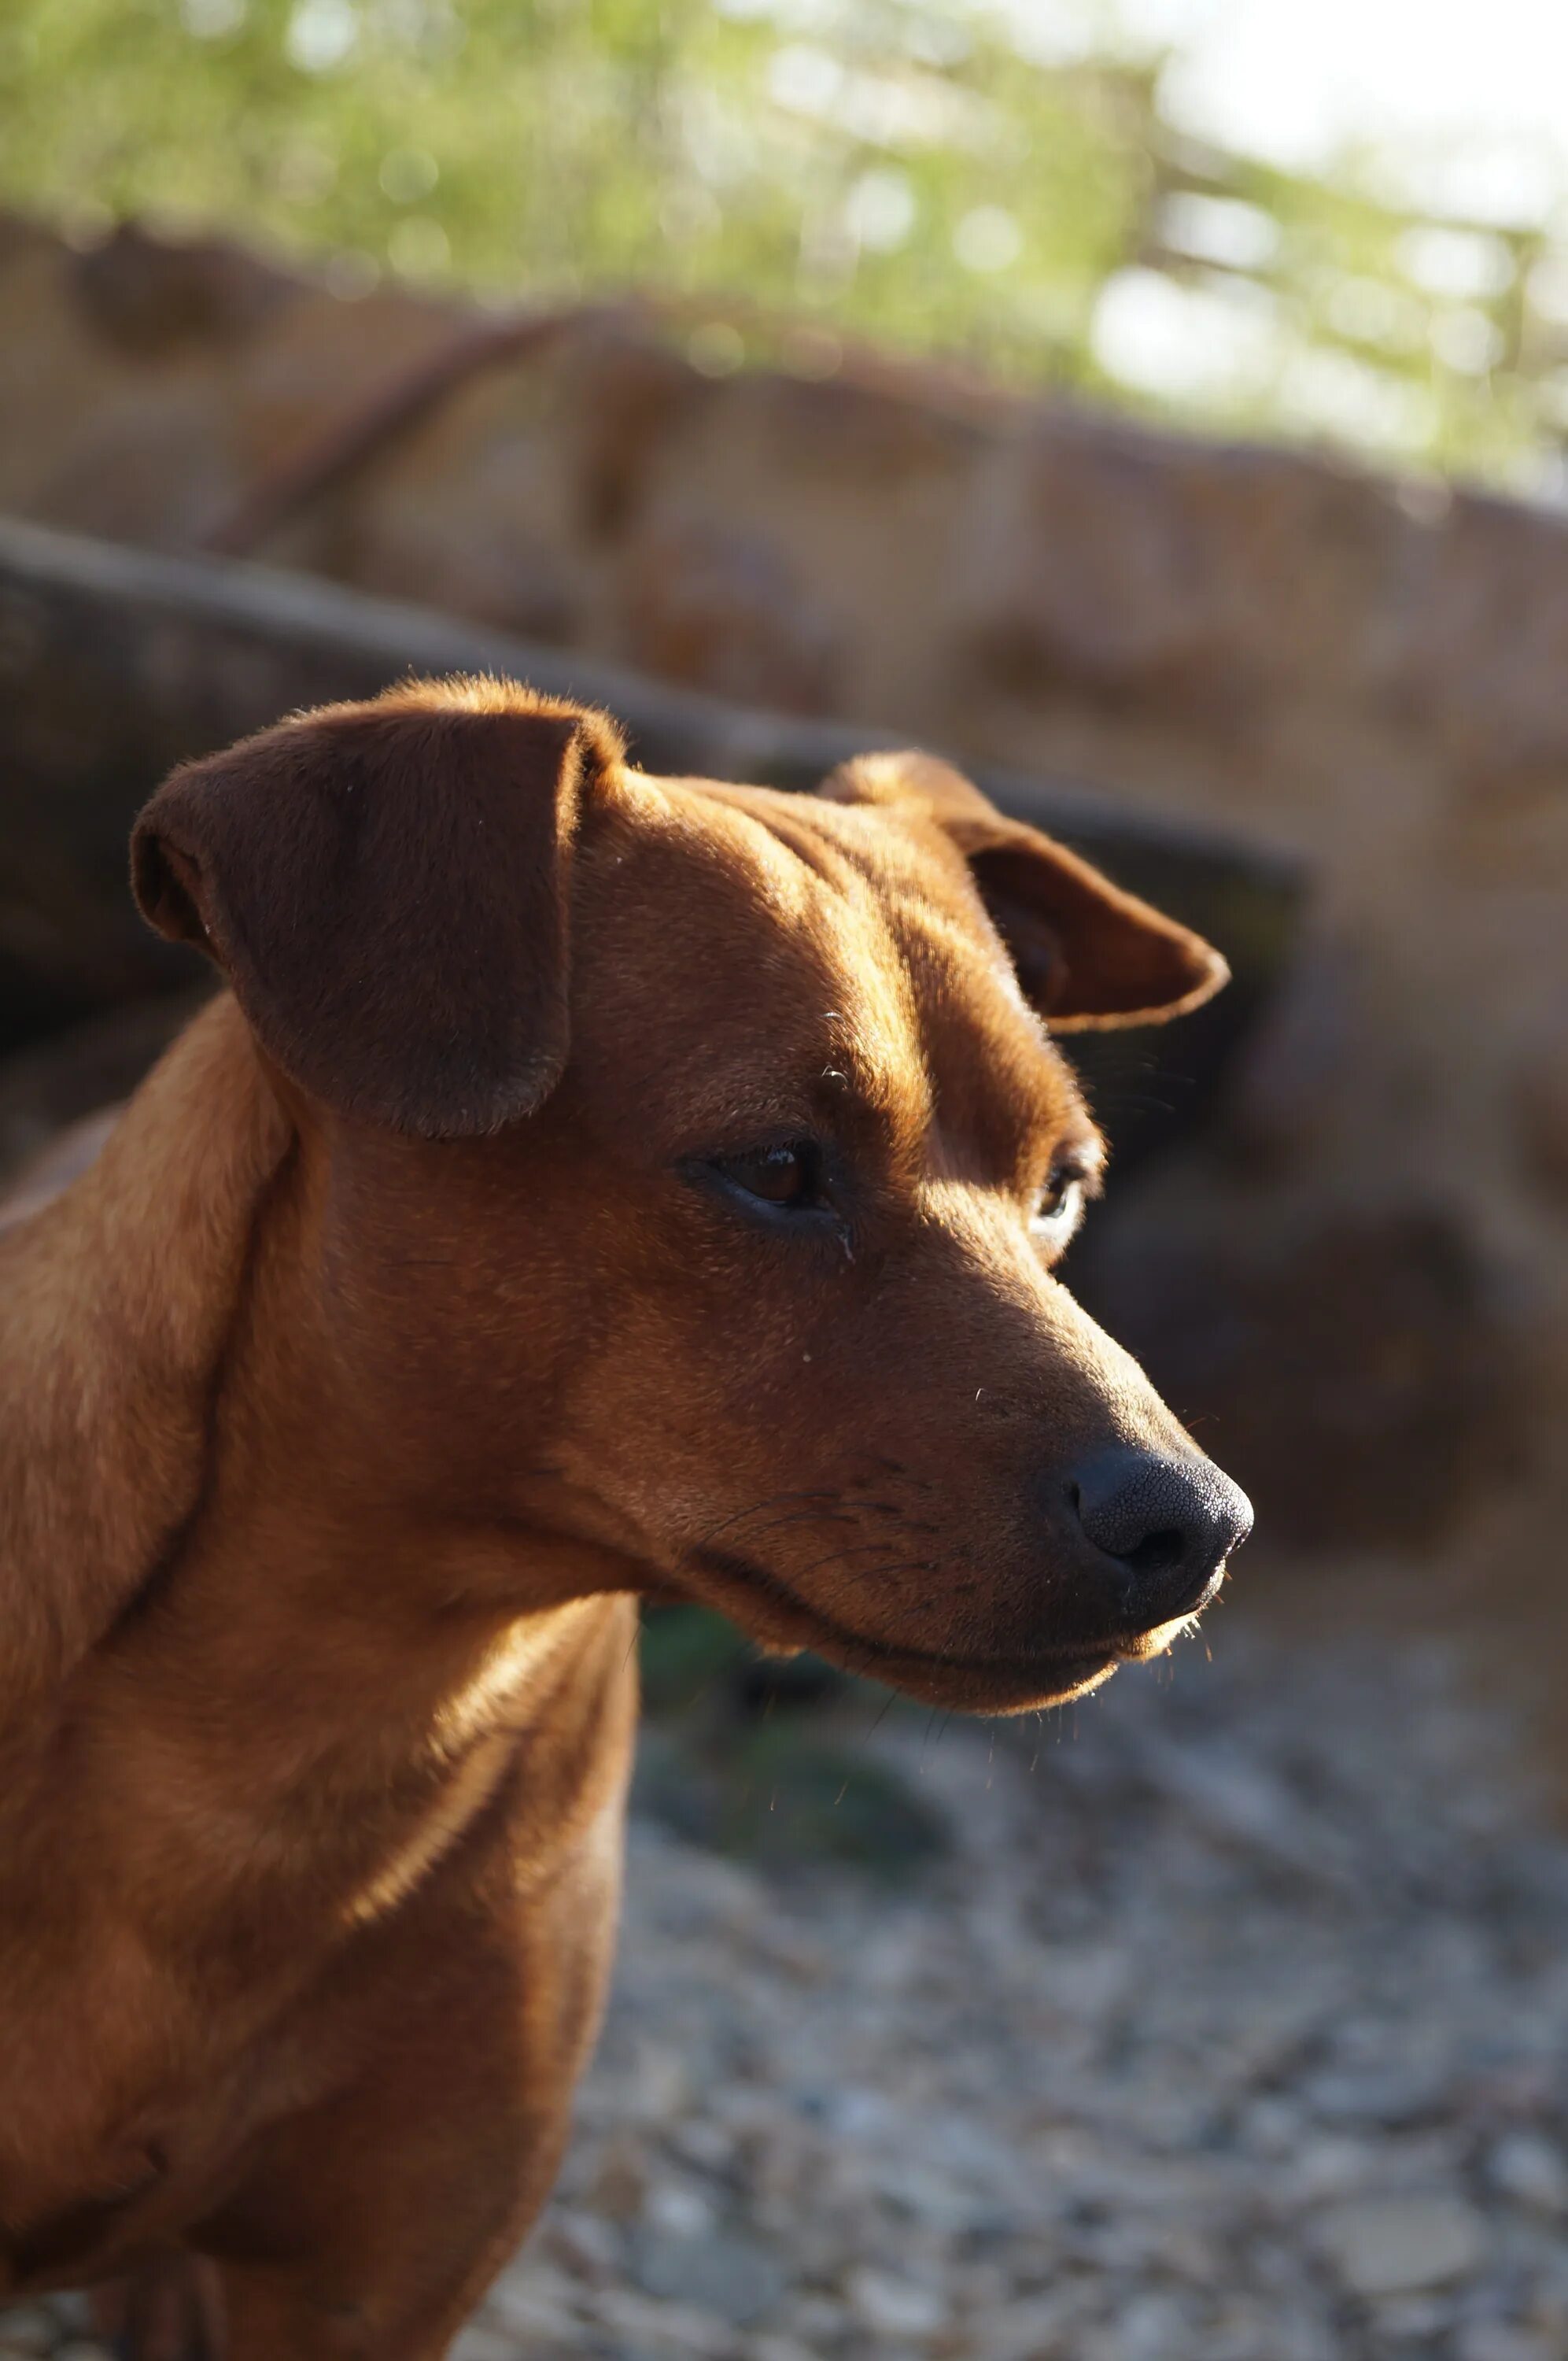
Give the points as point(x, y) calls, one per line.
point(889, 1701)
point(842, 1558)
point(742, 1516)
point(807, 1517)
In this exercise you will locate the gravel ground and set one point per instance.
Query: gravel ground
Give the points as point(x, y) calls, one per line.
point(1233, 2027)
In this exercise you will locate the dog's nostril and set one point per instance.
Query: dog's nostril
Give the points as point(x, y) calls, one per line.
point(1157, 1553)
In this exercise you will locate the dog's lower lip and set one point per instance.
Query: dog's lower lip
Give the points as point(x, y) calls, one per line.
point(1070, 1664)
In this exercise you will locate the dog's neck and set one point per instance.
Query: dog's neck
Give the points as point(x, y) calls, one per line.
point(127, 1308)
point(115, 1303)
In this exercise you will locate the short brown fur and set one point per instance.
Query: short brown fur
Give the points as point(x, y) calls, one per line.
point(406, 1327)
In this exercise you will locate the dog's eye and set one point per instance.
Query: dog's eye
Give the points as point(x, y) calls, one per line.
point(1060, 1204)
point(789, 1176)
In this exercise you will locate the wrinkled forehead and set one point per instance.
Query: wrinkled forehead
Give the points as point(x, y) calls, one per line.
point(759, 947)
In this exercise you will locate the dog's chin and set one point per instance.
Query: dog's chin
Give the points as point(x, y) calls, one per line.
point(990, 1687)
point(779, 1622)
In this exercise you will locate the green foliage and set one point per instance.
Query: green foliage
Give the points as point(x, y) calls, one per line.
point(545, 145)
point(901, 171)
point(768, 1760)
point(688, 1654)
point(786, 1797)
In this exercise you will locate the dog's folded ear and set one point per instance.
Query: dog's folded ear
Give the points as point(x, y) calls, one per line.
point(384, 886)
point(1087, 954)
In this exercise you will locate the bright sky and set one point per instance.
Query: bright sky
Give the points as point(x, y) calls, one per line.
point(1466, 100)
point(1448, 107)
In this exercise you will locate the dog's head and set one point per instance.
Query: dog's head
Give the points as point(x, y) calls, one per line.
point(691, 1163)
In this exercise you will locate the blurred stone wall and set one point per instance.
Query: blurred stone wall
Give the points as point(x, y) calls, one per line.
point(1358, 1283)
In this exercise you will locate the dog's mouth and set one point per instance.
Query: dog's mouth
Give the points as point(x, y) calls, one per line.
point(770, 1611)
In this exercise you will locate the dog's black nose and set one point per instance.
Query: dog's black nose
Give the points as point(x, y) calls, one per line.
point(1169, 1524)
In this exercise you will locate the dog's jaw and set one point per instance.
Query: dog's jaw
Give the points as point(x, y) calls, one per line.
point(773, 1616)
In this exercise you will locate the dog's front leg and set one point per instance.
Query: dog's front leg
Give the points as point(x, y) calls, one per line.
point(170, 2310)
point(372, 2225)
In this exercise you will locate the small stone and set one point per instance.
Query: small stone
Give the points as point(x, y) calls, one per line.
point(531, 2302)
point(820, 2318)
point(1400, 2245)
point(726, 2274)
point(1272, 2126)
point(1256, 2331)
point(1036, 2327)
point(1531, 2169)
point(1503, 2340)
point(893, 2306)
point(1331, 2165)
point(1388, 2095)
point(709, 2146)
point(1404, 2319)
point(661, 2087)
point(477, 2343)
point(646, 2328)
point(674, 2206)
point(581, 2242)
point(620, 2185)
point(1151, 2328)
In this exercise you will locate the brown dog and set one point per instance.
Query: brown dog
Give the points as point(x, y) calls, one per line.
point(593, 1184)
